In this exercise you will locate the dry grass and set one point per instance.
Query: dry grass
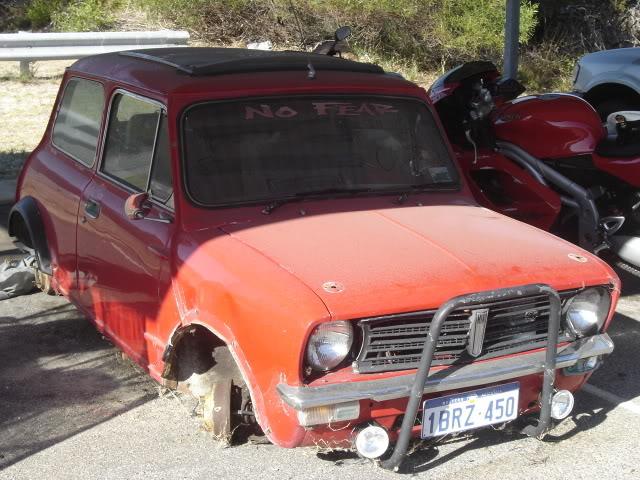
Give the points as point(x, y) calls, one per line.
point(25, 106)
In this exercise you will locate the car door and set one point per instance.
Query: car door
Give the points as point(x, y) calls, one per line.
point(59, 170)
point(122, 261)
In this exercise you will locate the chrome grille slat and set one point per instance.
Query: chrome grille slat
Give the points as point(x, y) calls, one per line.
point(516, 312)
point(503, 331)
point(395, 342)
point(412, 343)
point(510, 343)
point(422, 329)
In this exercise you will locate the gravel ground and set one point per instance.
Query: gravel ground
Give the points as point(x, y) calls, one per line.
point(72, 407)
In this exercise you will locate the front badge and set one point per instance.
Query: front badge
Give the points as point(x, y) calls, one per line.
point(478, 324)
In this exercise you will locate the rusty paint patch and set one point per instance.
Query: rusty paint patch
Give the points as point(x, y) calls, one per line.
point(577, 258)
point(332, 287)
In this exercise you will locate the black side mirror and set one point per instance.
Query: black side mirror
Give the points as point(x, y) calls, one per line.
point(336, 46)
point(342, 33)
point(509, 88)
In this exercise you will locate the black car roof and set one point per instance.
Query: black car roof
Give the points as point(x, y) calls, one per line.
point(198, 61)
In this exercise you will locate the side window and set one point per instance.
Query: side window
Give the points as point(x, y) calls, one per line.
point(77, 124)
point(161, 184)
point(130, 140)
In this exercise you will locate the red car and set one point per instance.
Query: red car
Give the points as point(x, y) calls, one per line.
point(288, 236)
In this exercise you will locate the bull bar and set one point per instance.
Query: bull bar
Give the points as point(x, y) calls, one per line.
point(417, 390)
point(416, 385)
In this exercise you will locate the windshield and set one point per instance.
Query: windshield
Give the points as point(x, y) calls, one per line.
point(268, 149)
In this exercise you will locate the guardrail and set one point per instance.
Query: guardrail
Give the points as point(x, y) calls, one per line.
point(26, 47)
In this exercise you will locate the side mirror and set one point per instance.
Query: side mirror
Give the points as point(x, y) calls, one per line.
point(137, 206)
point(342, 33)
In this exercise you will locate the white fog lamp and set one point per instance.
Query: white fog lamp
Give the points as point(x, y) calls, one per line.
point(561, 404)
point(372, 441)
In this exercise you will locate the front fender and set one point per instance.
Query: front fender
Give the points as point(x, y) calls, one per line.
point(261, 311)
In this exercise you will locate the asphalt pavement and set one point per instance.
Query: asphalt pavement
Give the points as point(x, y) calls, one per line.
point(71, 407)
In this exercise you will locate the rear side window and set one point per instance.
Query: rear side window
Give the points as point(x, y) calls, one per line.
point(77, 124)
point(130, 140)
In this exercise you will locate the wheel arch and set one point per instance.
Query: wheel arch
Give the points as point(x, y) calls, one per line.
point(180, 338)
point(26, 224)
point(609, 90)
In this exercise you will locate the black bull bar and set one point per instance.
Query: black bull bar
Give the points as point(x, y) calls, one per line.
point(417, 390)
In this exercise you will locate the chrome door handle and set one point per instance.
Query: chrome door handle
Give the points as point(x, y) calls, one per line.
point(92, 209)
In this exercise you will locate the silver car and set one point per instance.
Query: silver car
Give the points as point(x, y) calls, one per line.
point(609, 80)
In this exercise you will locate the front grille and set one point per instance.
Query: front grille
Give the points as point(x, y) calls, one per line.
point(395, 342)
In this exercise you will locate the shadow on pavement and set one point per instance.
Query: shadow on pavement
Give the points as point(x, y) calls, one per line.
point(630, 283)
point(620, 373)
point(58, 376)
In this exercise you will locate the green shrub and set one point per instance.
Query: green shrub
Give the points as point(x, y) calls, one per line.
point(39, 12)
point(427, 33)
point(546, 68)
point(84, 15)
point(13, 16)
point(471, 29)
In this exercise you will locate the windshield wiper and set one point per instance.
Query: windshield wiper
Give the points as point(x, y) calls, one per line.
point(270, 207)
point(403, 190)
point(422, 187)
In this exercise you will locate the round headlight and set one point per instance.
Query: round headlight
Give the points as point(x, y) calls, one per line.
point(329, 344)
point(587, 311)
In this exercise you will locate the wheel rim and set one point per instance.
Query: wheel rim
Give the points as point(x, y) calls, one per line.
point(217, 410)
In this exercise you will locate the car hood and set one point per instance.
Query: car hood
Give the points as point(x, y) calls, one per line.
point(373, 262)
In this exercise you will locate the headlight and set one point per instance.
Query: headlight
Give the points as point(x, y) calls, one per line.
point(587, 311)
point(329, 344)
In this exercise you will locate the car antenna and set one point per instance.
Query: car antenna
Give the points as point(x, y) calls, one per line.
point(312, 71)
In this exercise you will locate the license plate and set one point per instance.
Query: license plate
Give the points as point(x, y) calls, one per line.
point(469, 410)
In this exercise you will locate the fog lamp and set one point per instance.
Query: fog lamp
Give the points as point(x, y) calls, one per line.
point(340, 412)
point(561, 404)
point(372, 441)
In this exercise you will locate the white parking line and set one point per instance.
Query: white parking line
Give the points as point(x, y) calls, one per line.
point(610, 397)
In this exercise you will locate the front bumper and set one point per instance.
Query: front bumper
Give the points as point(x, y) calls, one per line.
point(449, 378)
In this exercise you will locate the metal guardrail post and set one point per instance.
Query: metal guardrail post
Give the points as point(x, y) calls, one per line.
point(417, 390)
point(25, 69)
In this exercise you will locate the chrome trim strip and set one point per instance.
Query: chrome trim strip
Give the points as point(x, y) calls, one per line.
point(450, 378)
point(153, 152)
